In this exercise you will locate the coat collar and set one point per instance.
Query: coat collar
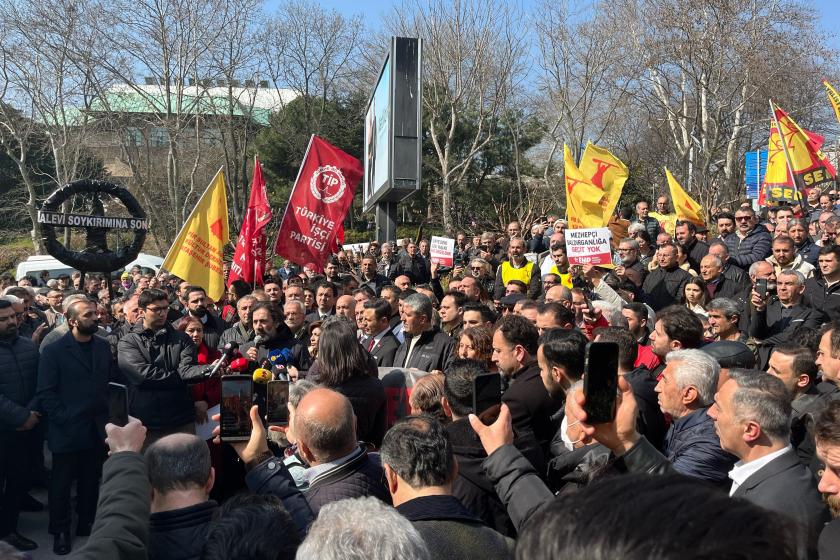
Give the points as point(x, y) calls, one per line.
point(784, 462)
point(439, 508)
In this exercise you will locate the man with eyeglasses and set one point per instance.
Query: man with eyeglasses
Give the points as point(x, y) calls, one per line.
point(751, 242)
point(628, 252)
point(157, 361)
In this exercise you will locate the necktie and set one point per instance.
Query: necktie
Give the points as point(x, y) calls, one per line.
point(371, 343)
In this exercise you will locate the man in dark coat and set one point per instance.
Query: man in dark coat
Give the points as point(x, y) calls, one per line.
point(157, 361)
point(664, 286)
point(752, 416)
point(420, 468)
point(685, 234)
point(241, 331)
point(272, 335)
point(823, 293)
point(73, 376)
point(413, 265)
point(515, 345)
point(19, 414)
point(827, 436)
point(751, 241)
point(339, 467)
point(197, 307)
point(425, 348)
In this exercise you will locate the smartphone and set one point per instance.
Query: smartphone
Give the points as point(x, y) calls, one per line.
point(237, 396)
point(600, 381)
point(277, 397)
point(487, 396)
point(761, 287)
point(117, 404)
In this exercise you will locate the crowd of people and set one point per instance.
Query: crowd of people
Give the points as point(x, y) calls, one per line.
point(725, 441)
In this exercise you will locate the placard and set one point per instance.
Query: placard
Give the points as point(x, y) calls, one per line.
point(442, 250)
point(588, 246)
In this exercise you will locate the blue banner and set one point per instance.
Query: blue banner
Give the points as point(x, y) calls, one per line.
point(755, 168)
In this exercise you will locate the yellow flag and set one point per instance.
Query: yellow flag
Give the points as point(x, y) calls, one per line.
point(197, 254)
point(583, 199)
point(605, 172)
point(834, 97)
point(687, 209)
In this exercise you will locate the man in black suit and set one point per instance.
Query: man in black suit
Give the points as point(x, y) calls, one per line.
point(827, 435)
point(717, 284)
point(73, 376)
point(752, 417)
point(379, 340)
point(773, 319)
point(325, 295)
point(515, 345)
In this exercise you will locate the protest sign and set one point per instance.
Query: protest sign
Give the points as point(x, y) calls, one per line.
point(588, 246)
point(442, 250)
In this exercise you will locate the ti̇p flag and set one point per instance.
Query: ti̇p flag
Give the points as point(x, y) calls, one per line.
point(320, 199)
point(249, 260)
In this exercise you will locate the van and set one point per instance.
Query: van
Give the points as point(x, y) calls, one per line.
point(36, 263)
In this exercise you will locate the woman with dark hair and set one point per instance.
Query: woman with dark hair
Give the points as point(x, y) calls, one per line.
point(314, 336)
point(695, 296)
point(476, 343)
point(236, 290)
point(344, 366)
point(208, 393)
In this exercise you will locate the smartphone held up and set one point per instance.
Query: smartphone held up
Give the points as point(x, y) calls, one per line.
point(600, 381)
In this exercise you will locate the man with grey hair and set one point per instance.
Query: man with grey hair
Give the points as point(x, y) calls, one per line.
point(773, 318)
point(362, 528)
point(241, 332)
point(717, 285)
point(752, 417)
point(724, 316)
point(294, 315)
point(719, 249)
point(686, 391)
point(629, 253)
point(426, 347)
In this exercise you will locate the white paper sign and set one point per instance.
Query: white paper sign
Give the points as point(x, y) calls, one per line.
point(588, 246)
point(442, 250)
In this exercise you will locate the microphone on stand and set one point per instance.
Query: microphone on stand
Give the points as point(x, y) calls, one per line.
point(227, 351)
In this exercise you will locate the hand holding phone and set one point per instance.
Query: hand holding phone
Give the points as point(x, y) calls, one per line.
point(117, 404)
point(237, 397)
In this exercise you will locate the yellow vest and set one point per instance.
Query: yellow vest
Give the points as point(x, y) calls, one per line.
point(522, 274)
point(565, 279)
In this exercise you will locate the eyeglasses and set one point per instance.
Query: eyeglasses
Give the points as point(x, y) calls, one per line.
point(155, 309)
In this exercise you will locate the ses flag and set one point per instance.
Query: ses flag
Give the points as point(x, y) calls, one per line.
point(249, 260)
point(322, 194)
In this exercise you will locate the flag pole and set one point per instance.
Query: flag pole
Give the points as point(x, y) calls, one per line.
point(787, 155)
point(189, 218)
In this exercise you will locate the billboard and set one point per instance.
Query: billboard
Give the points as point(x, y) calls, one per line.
point(393, 126)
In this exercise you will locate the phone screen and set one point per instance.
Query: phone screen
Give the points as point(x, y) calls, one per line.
point(487, 396)
point(117, 404)
point(237, 396)
point(761, 287)
point(600, 381)
point(277, 397)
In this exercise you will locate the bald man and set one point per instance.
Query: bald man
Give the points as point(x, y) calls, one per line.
point(340, 468)
point(559, 294)
point(345, 306)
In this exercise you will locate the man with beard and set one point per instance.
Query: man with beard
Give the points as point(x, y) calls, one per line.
point(18, 417)
point(196, 299)
point(686, 235)
point(73, 376)
point(271, 333)
point(628, 251)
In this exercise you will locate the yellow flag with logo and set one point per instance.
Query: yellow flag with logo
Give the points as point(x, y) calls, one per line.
point(687, 209)
point(584, 207)
point(606, 172)
point(197, 253)
point(833, 97)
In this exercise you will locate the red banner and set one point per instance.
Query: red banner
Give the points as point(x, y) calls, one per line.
point(320, 199)
point(249, 260)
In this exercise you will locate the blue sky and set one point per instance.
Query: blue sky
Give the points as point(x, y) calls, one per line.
point(828, 11)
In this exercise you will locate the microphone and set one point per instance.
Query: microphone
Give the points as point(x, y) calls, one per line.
point(262, 375)
point(239, 364)
point(227, 351)
point(258, 340)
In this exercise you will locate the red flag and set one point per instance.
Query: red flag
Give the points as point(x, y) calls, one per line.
point(249, 260)
point(319, 202)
